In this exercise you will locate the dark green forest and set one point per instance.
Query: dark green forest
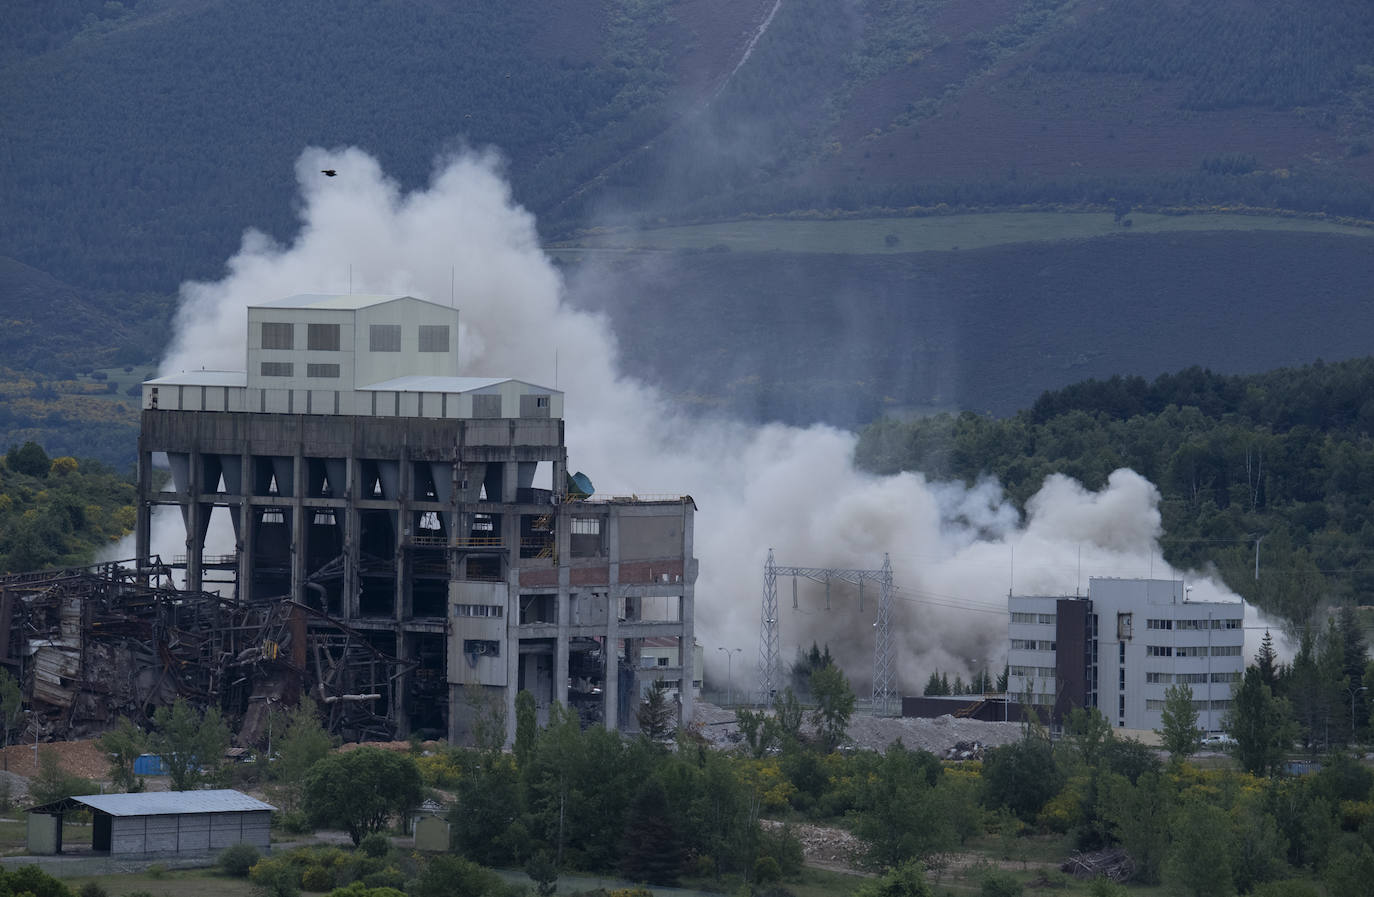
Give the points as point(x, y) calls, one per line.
point(1280, 463)
point(57, 512)
point(143, 137)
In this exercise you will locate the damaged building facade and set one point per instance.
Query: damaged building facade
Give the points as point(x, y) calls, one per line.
point(373, 491)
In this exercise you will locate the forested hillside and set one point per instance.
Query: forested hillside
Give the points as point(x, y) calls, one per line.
point(142, 137)
point(59, 511)
point(1286, 457)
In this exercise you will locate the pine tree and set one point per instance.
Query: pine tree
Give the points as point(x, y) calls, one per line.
point(933, 685)
point(651, 849)
point(1267, 659)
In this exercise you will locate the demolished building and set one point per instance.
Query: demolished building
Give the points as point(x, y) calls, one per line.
point(429, 517)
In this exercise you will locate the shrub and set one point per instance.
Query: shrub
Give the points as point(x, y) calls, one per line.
point(375, 845)
point(293, 823)
point(317, 878)
point(766, 869)
point(93, 889)
point(157, 870)
point(1000, 883)
point(238, 860)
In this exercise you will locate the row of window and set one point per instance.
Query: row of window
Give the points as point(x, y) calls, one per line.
point(325, 337)
point(1030, 644)
point(1033, 672)
point(1192, 651)
point(1194, 625)
point(478, 610)
point(1200, 706)
point(1020, 617)
point(287, 369)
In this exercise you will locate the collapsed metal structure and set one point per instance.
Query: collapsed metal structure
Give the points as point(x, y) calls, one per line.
point(91, 644)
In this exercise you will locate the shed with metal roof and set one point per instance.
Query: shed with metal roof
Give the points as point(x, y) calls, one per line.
point(156, 822)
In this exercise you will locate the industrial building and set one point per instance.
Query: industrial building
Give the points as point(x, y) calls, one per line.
point(429, 515)
point(157, 822)
point(1122, 647)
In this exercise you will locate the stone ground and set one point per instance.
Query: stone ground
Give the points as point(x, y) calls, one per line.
point(876, 733)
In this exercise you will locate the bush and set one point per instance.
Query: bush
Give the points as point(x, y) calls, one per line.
point(1000, 883)
point(293, 823)
point(157, 870)
point(93, 889)
point(238, 860)
point(766, 869)
point(317, 878)
point(375, 845)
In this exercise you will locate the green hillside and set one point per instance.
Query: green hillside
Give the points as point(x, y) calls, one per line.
point(1287, 456)
point(844, 338)
point(142, 137)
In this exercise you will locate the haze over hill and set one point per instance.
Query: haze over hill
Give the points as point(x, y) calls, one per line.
point(143, 138)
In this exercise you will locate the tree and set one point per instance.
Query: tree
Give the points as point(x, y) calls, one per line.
point(359, 791)
point(1138, 817)
point(1199, 860)
point(53, 783)
point(655, 714)
point(11, 704)
point(651, 850)
point(28, 459)
point(898, 814)
point(1267, 660)
point(123, 744)
point(787, 711)
point(447, 876)
point(190, 744)
point(906, 880)
point(1022, 776)
point(1261, 724)
point(301, 746)
point(834, 705)
point(760, 731)
point(1180, 735)
point(526, 727)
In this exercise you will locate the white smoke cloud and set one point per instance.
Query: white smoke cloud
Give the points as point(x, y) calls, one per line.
point(955, 551)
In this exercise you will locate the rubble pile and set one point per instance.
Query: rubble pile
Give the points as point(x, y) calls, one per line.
point(940, 735)
point(823, 845)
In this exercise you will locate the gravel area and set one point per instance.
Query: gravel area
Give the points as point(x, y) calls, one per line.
point(876, 733)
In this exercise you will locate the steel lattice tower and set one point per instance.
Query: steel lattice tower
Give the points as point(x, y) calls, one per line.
point(884, 685)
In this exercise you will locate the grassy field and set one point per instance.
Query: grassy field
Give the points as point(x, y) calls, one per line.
point(939, 233)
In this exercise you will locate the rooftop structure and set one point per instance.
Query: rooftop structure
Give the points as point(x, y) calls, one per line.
point(157, 822)
point(433, 514)
point(1122, 647)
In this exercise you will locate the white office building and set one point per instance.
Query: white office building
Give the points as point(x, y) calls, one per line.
point(1122, 647)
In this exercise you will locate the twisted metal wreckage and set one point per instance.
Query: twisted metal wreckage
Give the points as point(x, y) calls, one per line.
point(91, 644)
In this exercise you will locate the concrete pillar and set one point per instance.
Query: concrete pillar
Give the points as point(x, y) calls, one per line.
point(143, 518)
point(247, 527)
point(300, 527)
point(352, 586)
point(403, 605)
point(195, 544)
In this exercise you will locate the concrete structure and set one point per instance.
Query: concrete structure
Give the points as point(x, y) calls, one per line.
point(1121, 648)
point(663, 653)
point(157, 822)
point(428, 512)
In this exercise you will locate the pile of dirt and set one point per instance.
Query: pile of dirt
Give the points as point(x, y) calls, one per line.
point(79, 758)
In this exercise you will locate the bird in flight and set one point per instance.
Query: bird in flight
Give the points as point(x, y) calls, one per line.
point(328, 172)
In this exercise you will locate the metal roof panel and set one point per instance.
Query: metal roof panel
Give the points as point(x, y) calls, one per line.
point(168, 803)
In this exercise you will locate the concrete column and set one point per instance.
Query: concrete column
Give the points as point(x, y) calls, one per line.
point(300, 527)
point(511, 647)
point(143, 519)
point(404, 605)
point(353, 525)
point(247, 527)
point(405, 649)
point(194, 545)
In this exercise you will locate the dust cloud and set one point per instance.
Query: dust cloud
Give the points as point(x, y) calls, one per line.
point(956, 552)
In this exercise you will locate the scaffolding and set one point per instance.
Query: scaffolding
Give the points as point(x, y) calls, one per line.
point(770, 665)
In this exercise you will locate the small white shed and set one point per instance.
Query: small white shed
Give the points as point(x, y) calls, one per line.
point(161, 822)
